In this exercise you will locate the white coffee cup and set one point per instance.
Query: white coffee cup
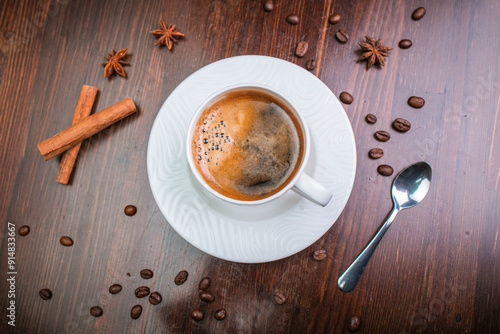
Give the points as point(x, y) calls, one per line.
point(301, 183)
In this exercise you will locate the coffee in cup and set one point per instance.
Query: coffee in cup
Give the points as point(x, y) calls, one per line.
point(247, 144)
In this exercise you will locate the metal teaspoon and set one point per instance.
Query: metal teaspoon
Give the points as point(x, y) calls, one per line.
point(408, 189)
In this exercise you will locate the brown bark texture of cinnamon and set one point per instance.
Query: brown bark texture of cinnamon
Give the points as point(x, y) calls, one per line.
point(86, 128)
point(82, 111)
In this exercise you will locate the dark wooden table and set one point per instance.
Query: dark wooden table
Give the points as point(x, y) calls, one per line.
point(437, 269)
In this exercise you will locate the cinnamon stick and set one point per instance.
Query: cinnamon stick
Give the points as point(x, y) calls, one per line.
point(82, 111)
point(86, 128)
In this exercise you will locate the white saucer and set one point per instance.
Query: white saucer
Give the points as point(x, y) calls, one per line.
point(269, 231)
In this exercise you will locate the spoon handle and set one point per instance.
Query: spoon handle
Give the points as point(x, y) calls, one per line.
point(350, 277)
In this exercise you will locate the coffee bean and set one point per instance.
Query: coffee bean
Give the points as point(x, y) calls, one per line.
point(66, 241)
point(141, 292)
point(402, 125)
point(376, 153)
point(292, 19)
point(418, 13)
point(279, 298)
point(205, 283)
point(346, 98)
point(382, 135)
point(128, 274)
point(220, 314)
point(405, 43)
point(24, 230)
point(136, 311)
point(181, 277)
point(146, 273)
point(130, 210)
point(115, 288)
point(334, 18)
point(155, 298)
point(342, 36)
point(319, 255)
point(385, 170)
point(197, 315)
point(311, 64)
point(207, 297)
point(370, 118)
point(354, 323)
point(301, 49)
point(45, 294)
point(268, 6)
point(96, 311)
point(416, 102)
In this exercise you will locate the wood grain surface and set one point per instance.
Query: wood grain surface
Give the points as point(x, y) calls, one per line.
point(437, 269)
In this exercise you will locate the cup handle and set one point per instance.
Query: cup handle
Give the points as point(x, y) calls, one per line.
point(312, 190)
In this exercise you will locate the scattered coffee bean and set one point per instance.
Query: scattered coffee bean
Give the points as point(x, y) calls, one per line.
point(128, 274)
point(401, 124)
point(416, 102)
point(146, 273)
point(458, 317)
point(220, 314)
point(319, 255)
point(311, 64)
point(181, 277)
point(155, 298)
point(354, 323)
point(346, 98)
point(205, 283)
point(279, 298)
point(268, 6)
point(342, 36)
point(385, 170)
point(197, 315)
point(418, 13)
point(24, 230)
point(141, 292)
point(95, 311)
point(136, 311)
point(370, 118)
point(66, 241)
point(207, 297)
point(115, 288)
point(301, 49)
point(376, 153)
point(382, 135)
point(405, 43)
point(334, 18)
point(292, 19)
point(130, 210)
point(45, 294)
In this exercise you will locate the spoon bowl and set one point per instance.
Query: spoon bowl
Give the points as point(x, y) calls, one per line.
point(411, 185)
point(408, 189)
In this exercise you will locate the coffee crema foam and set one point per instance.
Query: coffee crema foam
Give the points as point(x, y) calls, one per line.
point(247, 145)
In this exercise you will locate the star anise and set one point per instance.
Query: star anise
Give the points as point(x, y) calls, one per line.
point(374, 52)
point(114, 63)
point(169, 35)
